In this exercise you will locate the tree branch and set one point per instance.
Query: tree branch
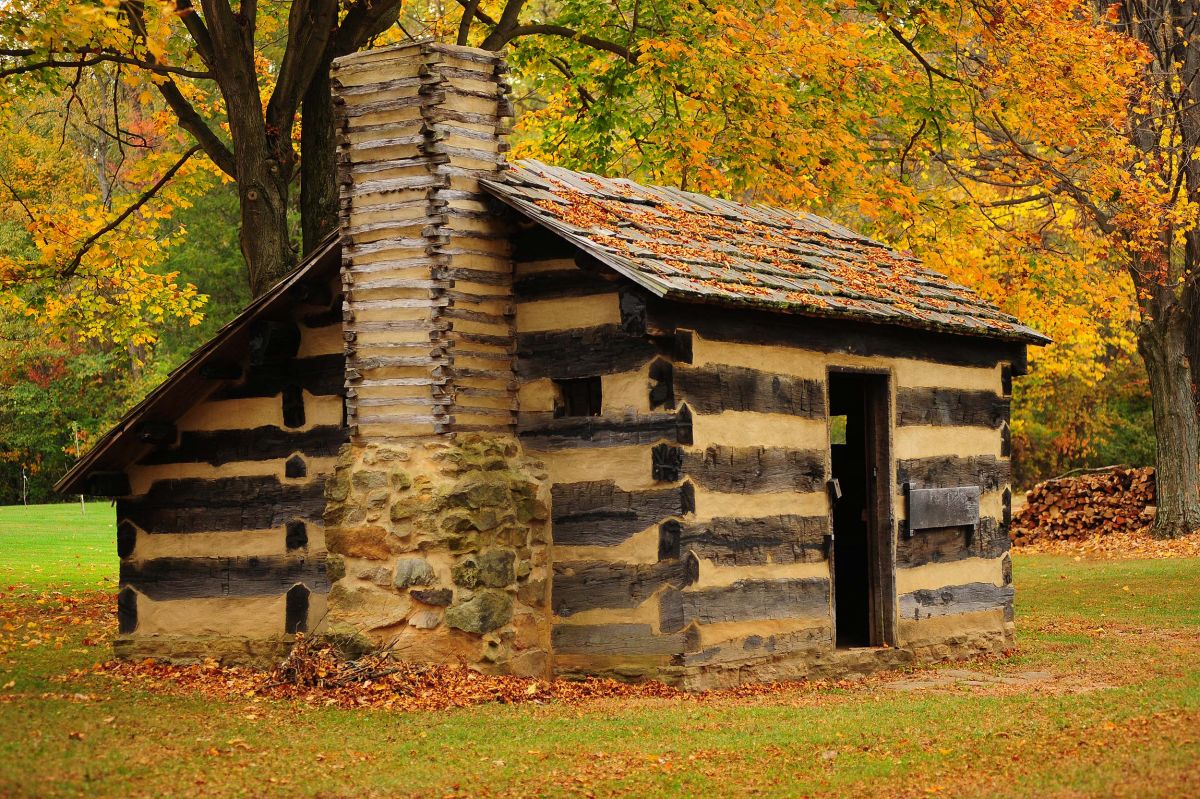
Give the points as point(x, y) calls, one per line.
point(596, 43)
point(92, 59)
point(73, 266)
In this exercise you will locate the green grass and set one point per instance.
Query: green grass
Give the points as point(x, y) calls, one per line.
point(58, 546)
point(1120, 717)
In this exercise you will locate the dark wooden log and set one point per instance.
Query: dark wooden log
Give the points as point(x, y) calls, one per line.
point(682, 351)
point(293, 406)
point(127, 611)
point(216, 447)
point(730, 541)
point(950, 407)
point(581, 352)
point(615, 639)
point(1006, 376)
point(296, 612)
point(572, 282)
point(195, 505)
point(832, 335)
point(601, 514)
point(989, 540)
point(190, 578)
point(589, 585)
point(946, 471)
point(319, 375)
point(716, 387)
point(295, 467)
point(662, 391)
point(295, 535)
point(953, 599)
point(633, 310)
point(749, 600)
point(217, 369)
point(666, 463)
point(539, 432)
point(754, 470)
point(157, 433)
point(107, 484)
point(752, 648)
point(126, 539)
point(272, 341)
point(669, 534)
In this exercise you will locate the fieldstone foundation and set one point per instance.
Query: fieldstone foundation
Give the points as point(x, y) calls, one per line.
point(440, 551)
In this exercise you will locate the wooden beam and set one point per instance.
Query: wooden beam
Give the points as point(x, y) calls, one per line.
point(616, 639)
point(739, 541)
point(320, 375)
point(946, 471)
point(750, 600)
point(195, 505)
point(581, 352)
point(599, 513)
point(590, 585)
point(539, 431)
point(950, 407)
point(190, 578)
point(954, 599)
point(216, 447)
point(754, 470)
point(716, 387)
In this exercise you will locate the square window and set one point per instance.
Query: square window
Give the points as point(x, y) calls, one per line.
point(578, 396)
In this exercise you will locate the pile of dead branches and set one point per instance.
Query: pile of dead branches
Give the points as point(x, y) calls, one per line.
point(1106, 501)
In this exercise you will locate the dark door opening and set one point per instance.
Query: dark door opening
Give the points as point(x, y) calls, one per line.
point(858, 446)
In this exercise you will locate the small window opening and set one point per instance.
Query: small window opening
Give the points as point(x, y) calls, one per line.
point(837, 429)
point(578, 396)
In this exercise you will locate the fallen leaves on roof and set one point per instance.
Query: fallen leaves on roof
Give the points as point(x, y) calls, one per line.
point(690, 246)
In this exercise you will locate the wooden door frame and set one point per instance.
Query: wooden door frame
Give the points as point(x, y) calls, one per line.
point(881, 537)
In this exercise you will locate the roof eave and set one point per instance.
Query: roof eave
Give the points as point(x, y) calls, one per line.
point(530, 212)
point(73, 482)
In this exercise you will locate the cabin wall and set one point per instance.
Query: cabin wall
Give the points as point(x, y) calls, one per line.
point(222, 534)
point(690, 517)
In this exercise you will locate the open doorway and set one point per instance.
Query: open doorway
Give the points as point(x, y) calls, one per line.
point(862, 559)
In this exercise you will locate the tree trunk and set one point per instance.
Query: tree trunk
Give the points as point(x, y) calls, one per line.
point(318, 162)
point(264, 233)
point(1163, 338)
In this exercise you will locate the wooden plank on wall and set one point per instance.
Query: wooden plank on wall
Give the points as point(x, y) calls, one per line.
point(615, 639)
point(953, 599)
point(268, 442)
point(754, 470)
point(988, 540)
point(225, 504)
point(548, 434)
point(598, 513)
point(715, 388)
point(751, 600)
point(950, 407)
point(831, 336)
point(589, 585)
point(192, 578)
point(986, 471)
point(581, 352)
point(745, 542)
point(319, 375)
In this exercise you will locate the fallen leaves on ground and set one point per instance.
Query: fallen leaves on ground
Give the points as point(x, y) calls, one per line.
point(52, 618)
point(1126, 545)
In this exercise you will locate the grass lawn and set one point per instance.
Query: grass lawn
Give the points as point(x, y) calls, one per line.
point(58, 546)
point(1114, 710)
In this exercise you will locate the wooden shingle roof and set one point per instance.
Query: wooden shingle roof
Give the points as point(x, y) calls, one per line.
point(695, 248)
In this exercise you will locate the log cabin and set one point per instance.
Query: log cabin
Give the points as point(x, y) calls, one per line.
point(552, 423)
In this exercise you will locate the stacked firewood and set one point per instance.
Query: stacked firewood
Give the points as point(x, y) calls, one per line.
point(1100, 502)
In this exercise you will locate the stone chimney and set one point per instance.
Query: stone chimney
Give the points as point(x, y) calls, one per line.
point(426, 268)
point(436, 525)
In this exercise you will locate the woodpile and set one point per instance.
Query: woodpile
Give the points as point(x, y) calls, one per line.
point(1101, 502)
